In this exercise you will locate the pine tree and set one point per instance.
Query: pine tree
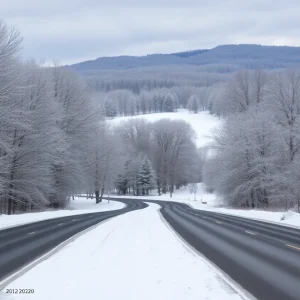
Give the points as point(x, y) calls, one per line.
point(193, 104)
point(143, 104)
point(145, 178)
point(168, 105)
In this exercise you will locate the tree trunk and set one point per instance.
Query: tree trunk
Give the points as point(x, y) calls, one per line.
point(158, 188)
point(102, 192)
point(252, 200)
point(171, 190)
point(15, 207)
point(10, 204)
point(97, 196)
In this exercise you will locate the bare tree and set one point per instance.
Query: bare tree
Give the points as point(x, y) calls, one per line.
point(172, 139)
point(77, 124)
point(284, 97)
point(246, 89)
point(242, 169)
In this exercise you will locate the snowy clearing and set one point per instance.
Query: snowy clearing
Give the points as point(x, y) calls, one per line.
point(120, 260)
point(183, 195)
point(203, 123)
point(77, 206)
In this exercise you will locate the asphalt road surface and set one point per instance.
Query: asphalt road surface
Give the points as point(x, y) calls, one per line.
point(22, 244)
point(263, 258)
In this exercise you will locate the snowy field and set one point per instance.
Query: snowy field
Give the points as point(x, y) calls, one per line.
point(120, 260)
point(77, 206)
point(213, 204)
point(203, 123)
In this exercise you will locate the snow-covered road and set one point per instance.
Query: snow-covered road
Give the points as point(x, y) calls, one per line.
point(131, 257)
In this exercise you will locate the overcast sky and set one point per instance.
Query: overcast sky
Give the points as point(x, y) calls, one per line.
point(76, 30)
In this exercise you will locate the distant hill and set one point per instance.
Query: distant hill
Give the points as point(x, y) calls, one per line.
point(188, 53)
point(237, 56)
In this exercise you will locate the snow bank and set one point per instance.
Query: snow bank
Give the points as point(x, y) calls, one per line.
point(284, 218)
point(131, 257)
point(77, 206)
point(203, 123)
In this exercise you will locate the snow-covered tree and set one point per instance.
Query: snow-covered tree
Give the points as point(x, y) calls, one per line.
point(145, 178)
point(168, 103)
point(77, 125)
point(171, 139)
point(110, 108)
point(243, 169)
point(193, 104)
point(246, 89)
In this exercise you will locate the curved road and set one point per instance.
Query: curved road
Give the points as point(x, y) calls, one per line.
point(21, 245)
point(263, 258)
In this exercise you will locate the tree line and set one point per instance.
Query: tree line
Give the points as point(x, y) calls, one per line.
point(55, 142)
point(257, 158)
point(122, 102)
point(50, 133)
point(159, 155)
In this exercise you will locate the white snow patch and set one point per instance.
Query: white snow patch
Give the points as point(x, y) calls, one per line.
point(77, 206)
point(203, 123)
point(131, 257)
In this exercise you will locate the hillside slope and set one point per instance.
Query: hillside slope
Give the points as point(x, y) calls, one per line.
point(237, 56)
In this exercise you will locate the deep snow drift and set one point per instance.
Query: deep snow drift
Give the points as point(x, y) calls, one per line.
point(131, 257)
point(76, 207)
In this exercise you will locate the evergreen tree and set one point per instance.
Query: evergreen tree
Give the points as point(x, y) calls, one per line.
point(121, 184)
point(168, 105)
point(145, 178)
point(143, 105)
point(193, 104)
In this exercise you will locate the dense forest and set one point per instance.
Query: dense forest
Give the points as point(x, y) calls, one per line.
point(257, 161)
point(56, 141)
point(49, 132)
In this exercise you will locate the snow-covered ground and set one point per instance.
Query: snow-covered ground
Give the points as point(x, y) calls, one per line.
point(131, 257)
point(77, 206)
point(203, 123)
point(213, 204)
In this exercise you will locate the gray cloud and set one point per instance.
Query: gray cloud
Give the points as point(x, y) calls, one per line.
point(76, 30)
